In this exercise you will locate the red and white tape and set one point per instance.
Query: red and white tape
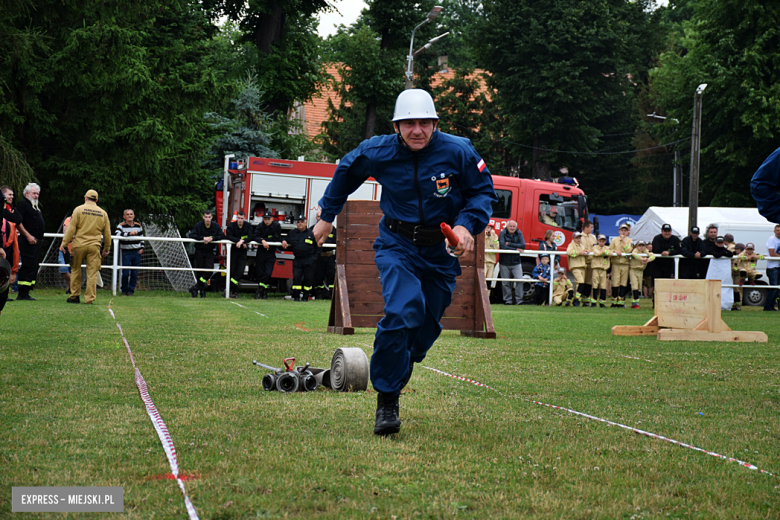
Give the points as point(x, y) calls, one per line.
point(635, 430)
point(159, 425)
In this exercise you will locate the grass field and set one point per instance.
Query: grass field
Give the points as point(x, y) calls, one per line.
point(72, 415)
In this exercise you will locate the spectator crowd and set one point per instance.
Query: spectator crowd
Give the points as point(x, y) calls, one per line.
point(607, 275)
point(87, 240)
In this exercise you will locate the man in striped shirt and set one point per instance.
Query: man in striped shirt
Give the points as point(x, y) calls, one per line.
point(131, 250)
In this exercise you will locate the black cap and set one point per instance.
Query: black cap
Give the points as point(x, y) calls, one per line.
point(720, 239)
point(666, 227)
point(300, 217)
point(268, 214)
point(695, 230)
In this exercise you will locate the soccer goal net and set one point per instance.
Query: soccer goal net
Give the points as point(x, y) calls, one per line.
point(157, 253)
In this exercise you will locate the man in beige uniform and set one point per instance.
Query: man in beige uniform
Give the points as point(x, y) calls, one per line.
point(88, 224)
point(588, 241)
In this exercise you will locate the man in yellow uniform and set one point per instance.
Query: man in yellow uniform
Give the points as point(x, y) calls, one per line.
point(577, 255)
point(87, 226)
point(491, 242)
point(600, 262)
point(589, 241)
point(637, 264)
point(620, 246)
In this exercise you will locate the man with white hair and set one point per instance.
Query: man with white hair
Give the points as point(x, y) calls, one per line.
point(31, 229)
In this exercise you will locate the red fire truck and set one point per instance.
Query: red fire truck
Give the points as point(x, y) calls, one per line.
point(292, 188)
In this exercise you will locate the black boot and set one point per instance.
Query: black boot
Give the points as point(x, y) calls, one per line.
point(194, 291)
point(24, 294)
point(258, 293)
point(387, 421)
point(264, 293)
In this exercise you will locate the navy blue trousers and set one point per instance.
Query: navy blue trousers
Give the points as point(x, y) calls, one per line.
point(417, 287)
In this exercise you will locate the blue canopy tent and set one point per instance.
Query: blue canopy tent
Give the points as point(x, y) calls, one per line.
point(609, 224)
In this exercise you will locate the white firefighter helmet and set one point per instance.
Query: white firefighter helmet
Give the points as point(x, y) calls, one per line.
point(5, 274)
point(414, 104)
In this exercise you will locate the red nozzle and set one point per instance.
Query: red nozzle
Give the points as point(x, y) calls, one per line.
point(451, 237)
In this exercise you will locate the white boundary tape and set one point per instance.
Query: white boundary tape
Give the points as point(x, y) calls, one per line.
point(247, 308)
point(159, 425)
point(635, 430)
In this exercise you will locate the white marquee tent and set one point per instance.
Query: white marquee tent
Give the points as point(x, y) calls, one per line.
point(727, 219)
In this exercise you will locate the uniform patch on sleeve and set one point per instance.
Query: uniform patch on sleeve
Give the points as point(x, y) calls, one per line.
point(481, 165)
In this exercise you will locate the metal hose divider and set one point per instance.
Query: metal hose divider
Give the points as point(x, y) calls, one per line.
point(288, 382)
point(349, 370)
point(269, 382)
point(308, 382)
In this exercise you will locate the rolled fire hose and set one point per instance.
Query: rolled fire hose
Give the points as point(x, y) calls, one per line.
point(349, 370)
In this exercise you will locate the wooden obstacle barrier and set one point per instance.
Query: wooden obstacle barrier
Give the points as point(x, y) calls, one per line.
point(688, 310)
point(357, 294)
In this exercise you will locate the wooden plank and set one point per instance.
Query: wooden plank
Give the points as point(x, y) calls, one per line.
point(680, 298)
point(484, 312)
point(456, 323)
point(361, 230)
point(362, 271)
point(479, 248)
point(460, 311)
point(702, 335)
point(713, 306)
point(678, 322)
point(366, 321)
point(630, 330)
point(359, 257)
point(360, 244)
point(652, 322)
point(680, 286)
point(342, 317)
point(690, 310)
point(463, 299)
point(366, 297)
point(362, 206)
point(376, 308)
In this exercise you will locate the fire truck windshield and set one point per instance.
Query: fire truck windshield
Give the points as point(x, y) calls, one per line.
point(562, 212)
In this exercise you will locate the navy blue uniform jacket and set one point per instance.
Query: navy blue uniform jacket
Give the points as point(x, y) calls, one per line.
point(444, 182)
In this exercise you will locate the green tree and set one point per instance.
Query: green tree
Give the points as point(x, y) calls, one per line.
point(288, 67)
point(118, 106)
point(468, 110)
point(565, 74)
point(20, 82)
point(734, 47)
point(246, 132)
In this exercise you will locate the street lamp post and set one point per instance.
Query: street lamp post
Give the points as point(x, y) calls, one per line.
point(410, 58)
point(676, 170)
point(693, 190)
point(226, 179)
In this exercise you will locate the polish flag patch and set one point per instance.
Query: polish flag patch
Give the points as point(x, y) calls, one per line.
point(481, 165)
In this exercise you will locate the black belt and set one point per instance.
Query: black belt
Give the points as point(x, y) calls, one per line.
point(419, 235)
